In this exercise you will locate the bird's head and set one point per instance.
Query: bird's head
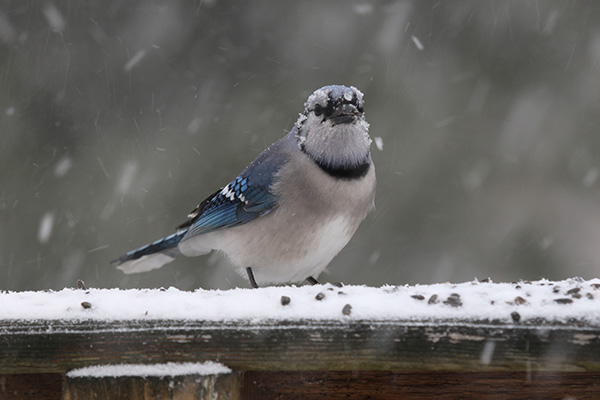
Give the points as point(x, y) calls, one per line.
point(332, 130)
point(336, 104)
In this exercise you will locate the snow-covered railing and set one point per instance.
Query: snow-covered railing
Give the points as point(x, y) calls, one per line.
point(304, 342)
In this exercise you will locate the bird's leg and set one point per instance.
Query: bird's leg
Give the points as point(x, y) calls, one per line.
point(312, 281)
point(251, 277)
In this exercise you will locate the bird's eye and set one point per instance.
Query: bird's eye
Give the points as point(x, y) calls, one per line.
point(318, 110)
point(360, 109)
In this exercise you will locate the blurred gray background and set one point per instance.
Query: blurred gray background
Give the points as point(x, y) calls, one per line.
point(118, 117)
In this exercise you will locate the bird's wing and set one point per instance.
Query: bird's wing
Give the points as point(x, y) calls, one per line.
point(239, 202)
point(244, 199)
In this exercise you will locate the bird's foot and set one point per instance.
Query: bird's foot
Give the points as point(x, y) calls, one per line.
point(251, 278)
point(312, 281)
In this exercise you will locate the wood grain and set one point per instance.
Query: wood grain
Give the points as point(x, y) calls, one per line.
point(332, 385)
point(380, 385)
point(56, 346)
point(30, 386)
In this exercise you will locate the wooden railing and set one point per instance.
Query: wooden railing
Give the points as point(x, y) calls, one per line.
point(305, 359)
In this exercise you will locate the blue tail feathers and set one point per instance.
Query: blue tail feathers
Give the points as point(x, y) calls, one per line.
point(166, 245)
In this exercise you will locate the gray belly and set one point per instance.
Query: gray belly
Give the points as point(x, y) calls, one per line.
point(285, 248)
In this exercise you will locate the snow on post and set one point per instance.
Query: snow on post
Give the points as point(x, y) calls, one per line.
point(201, 381)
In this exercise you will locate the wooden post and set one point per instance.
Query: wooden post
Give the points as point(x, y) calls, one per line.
point(188, 387)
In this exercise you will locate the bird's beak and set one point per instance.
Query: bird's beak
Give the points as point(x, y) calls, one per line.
point(344, 114)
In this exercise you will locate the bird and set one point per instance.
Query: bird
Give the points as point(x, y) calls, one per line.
point(293, 209)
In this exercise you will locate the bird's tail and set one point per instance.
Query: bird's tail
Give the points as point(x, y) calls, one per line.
point(150, 256)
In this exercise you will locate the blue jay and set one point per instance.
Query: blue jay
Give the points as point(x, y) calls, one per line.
point(293, 209)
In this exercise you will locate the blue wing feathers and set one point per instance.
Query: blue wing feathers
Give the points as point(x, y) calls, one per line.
point(236, 204)
point(244, 199)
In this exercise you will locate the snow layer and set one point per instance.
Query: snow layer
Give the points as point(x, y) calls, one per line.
point(515, 302)
point(167, 369)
